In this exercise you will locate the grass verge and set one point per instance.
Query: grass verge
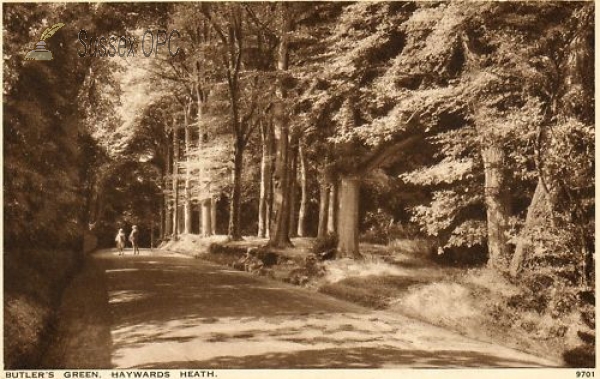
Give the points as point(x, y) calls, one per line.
point(33, 283)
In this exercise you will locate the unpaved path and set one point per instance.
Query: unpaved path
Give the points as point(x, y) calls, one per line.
point(164, 310)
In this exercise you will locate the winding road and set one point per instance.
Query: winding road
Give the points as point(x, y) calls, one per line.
point(165, 310)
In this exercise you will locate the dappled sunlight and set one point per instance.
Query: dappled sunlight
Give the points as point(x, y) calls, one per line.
point(348, 340)
point(358, 357)
point(340, 269)
point(124, 296)
point(121, 270)
point(170, 312)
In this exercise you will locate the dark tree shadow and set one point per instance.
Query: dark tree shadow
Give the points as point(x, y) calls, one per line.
point(353, 358)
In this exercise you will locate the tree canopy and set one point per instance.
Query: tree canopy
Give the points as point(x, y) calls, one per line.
point(469, 124)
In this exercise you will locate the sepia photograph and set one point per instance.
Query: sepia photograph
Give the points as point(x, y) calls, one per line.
point(195, 187)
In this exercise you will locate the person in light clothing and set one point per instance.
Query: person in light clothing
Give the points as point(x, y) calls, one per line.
point(133, 238)
point(120, 239)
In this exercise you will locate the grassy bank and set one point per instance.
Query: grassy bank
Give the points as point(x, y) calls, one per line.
point(33, 283)
point(404, 278)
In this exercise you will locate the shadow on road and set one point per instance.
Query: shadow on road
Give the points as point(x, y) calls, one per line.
point(173, 312)
point(352, 358)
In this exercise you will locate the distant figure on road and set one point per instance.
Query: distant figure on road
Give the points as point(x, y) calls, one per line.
point(133, 238)
point(120, 239)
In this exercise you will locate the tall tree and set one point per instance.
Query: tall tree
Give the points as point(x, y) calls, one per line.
point(266, 170)
point(228, 22)
point(280, 234)
point(303, 192)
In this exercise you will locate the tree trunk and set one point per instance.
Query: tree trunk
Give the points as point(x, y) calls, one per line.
point(265, 179)
point(303, 193)
point(332, 219)
point(538, 210)
point(281, 202)
point(281, 227)
point(497, 204)
point(348, 218)
point(236, 190)
point(168, 217)
point(269, 208)
point(293, 190)
point(175, 180)
point(205, 211)
point(187, 206)
point(181, 226)
point(213, 216)
point(161, 225)
point(323, 209)
point(270, 185)
point(201, 136)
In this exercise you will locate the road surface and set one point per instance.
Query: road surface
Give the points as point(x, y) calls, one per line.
point(164, 310)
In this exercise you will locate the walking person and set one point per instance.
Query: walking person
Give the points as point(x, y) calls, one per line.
point(120, 239)
point(133, 238)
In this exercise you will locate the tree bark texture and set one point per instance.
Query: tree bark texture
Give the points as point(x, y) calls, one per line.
point(348, 217)
point(234, 231)
point(206, 212)
point(332, 218)
point(175, 176)
point(188, 176)
point(497, 204)
point(201, 133)
point(266, 169)
point(281, 184)
point(323, 209)
point(281, 226)
point(539, 209)
point(213, 216)
point(293, 190)
point(303, 193)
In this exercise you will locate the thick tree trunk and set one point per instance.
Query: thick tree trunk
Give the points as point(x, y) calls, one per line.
point(497, 204)
point(188, 177)
point(181, 226)
point(323, 209)
point(281, 199)
point(332, 218)
point(281, 227)
point(205, 211)
point(234, 231)
point(348, 217)
point(175, 180)
point(538, 210)
point(303, 193)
